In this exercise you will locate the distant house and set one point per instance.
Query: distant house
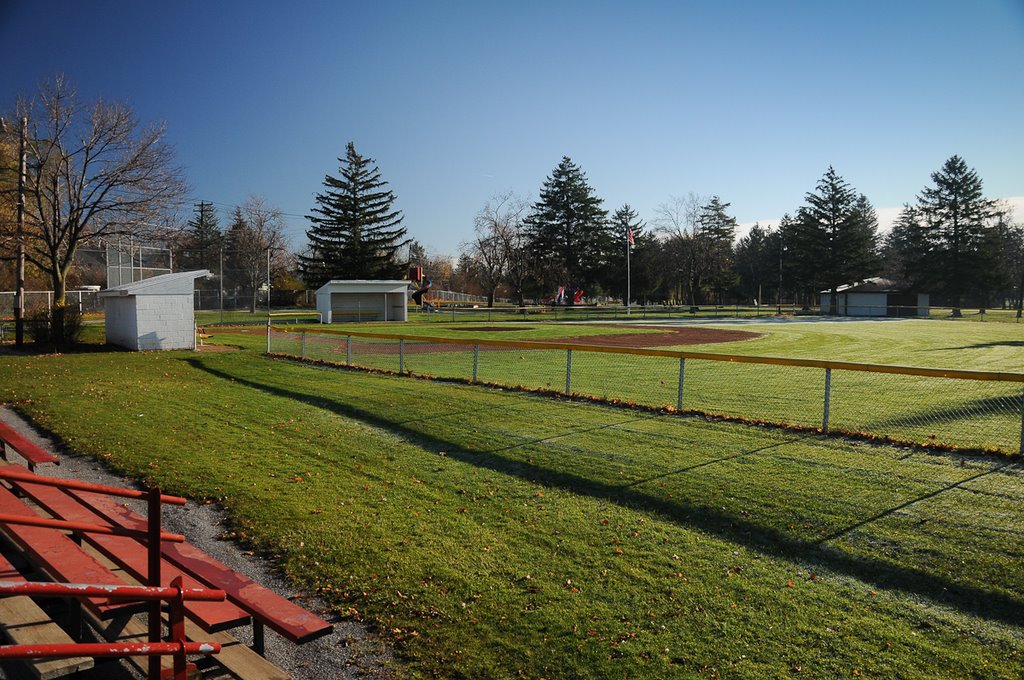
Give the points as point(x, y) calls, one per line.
point(875, 296)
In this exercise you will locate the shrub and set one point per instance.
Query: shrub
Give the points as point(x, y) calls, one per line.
point(39, 324)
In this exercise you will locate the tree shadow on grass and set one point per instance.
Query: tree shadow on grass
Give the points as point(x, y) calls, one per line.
point(1008, 407)
point(981, 345)
point(770, 541)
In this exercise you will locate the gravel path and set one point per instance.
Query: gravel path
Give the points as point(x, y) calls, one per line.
point(351, 651)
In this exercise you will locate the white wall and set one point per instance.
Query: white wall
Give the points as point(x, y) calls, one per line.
point(866, 304)
point(165, 321)
point(119, 313)
point(148, 322)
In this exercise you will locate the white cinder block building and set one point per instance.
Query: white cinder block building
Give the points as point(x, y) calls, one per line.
point(155, 313)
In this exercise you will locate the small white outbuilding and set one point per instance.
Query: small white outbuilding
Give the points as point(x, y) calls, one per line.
point(875, 296)
point(154, 313)
point(363, 300)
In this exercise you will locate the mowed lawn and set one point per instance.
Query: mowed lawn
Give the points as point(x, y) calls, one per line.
point(972, 414)
point(497, 534)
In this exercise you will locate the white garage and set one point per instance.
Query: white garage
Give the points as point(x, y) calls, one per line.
point(363, 300)
point(154, 313)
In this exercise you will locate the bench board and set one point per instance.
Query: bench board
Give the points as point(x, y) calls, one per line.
point(26, 624)
point(131, 555)
point(30, 452)
point(276, 612)
point(60, 557)
point(241, 661)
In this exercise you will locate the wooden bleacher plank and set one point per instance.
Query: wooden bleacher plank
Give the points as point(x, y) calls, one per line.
point(136, 630)
point(131, 555)
point(26, 624)
point(60, 557)
point(236, 658)
point(276, 612)
point(33, 454)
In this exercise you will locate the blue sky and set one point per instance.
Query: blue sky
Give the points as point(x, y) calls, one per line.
point(457, 101)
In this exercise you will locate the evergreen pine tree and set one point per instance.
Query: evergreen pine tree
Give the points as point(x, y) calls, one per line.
point(625, 222)
point(955, 221)
point(568, 230)
point(203, 240)
point(716, 231)
point(833, 239)
point(355, 232)
point(757, 264)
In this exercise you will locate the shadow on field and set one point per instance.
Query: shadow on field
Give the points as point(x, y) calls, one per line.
point(970, 599)
point(1008, 406)
point(982, 345)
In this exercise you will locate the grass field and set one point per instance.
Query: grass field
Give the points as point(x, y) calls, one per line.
point(497, 534)
point(967, 414)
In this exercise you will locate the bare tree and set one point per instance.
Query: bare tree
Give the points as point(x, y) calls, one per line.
point(498, 250)
point(256, 246)
point(678, 220)
point(515, 240)
point(93, 173)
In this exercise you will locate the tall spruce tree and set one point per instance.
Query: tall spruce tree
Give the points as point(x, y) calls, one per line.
point(625, 227)
point(757, 264)
point(568, 230)
point(716, 231)
point(356, 233)
point(833, 239)
point(203, 240)
point(955, 225)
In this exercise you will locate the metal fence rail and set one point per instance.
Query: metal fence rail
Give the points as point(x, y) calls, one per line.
point(965, 409)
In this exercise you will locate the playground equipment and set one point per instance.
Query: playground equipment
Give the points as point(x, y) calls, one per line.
point(560, 297)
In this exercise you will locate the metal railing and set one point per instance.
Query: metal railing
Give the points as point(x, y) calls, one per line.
point(176, 595)
point(952, 408)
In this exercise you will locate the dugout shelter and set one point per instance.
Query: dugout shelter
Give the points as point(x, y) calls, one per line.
point(875, 296)
point(363, 300)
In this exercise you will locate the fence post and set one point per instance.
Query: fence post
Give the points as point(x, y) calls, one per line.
point(401, 355)
point(682, 375)
point(268, 338)
point(348, 350)
point(568, 371)
point(303, 344)
point(1022, 424)
point(476, 360)
point(828, 395)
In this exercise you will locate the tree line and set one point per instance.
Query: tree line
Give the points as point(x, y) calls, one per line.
point(951, 242)
point(93, 172)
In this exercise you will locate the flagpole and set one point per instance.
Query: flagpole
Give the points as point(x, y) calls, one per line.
point(628, 292)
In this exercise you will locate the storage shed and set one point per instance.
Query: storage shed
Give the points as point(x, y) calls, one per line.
point(362, 300)
point(875, 296)
point(154, 313)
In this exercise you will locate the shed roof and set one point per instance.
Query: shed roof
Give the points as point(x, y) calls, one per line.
point(874, 284)
point(178, 283)
point(364, 286)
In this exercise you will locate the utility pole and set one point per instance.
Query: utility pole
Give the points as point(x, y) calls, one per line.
point(19, 291)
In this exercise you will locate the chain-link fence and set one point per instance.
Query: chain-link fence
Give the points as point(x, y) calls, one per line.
point(965, 409)
point(86, 301)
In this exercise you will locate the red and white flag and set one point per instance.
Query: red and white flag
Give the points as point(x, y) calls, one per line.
point(629, 236)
